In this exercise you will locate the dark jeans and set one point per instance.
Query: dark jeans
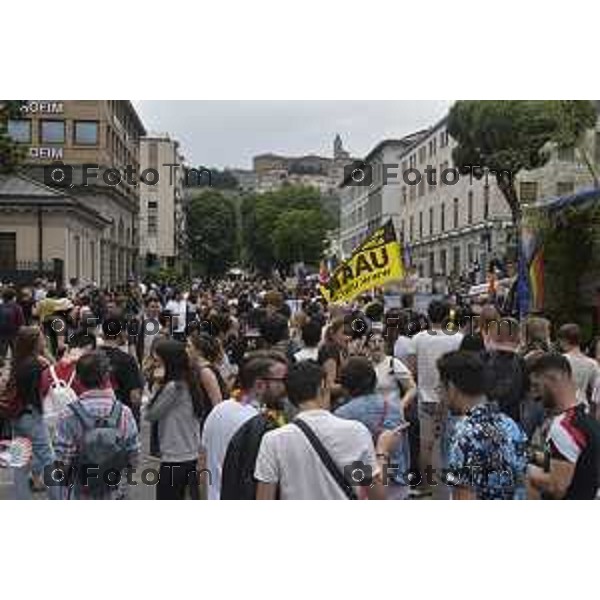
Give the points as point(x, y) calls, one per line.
point(175, 479)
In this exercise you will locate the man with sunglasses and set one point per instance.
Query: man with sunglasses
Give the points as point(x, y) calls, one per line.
point(263, 379)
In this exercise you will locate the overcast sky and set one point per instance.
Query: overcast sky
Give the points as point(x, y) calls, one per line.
point(229, 133)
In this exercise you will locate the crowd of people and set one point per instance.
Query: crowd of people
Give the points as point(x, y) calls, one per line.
point(243, 389)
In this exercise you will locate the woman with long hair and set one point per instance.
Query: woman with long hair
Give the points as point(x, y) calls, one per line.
point(178, 408)
point(207, 352)
point(333, 354)
point(26, 372)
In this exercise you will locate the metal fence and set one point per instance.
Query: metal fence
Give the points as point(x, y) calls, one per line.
point(25, 272)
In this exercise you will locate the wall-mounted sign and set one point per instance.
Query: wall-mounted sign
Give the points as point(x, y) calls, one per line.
point(46, 153)
point(42, 106)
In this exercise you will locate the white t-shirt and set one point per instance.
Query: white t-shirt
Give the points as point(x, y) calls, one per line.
point(220, 426)
point(179, 310)
point(307, 354)
point(586, 375)
point(402, 348)
point(391, 372)
point(429, 346)
point(288, 458)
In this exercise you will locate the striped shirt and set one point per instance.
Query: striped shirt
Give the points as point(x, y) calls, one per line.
point(574, 437)
point(70, 431)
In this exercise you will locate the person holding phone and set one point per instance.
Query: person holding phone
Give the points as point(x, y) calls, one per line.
point(378, 411)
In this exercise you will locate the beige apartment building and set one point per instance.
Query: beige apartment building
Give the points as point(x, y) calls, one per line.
point(162, 215)
point(456, 223)
point(75, 133)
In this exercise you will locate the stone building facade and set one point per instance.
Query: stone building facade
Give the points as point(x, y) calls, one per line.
point(162, 218)
point(458, 223)
point(75, 133)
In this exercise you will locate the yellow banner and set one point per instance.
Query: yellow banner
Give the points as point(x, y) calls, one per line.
point(376, 261)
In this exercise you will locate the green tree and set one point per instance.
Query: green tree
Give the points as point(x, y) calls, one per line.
point(299, 236)
point(211, 224)
point(571, 244)
point(260, 215)
point(10, 152)
point(508, 136)
point(224, 180)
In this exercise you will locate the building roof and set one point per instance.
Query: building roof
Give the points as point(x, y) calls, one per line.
point(405, 142)
point(424, 134)
point(269, 155)
point(17, 189)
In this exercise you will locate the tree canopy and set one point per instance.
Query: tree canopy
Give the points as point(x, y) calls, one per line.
point(211, 228)
point(284, 227)
point(10, 152)
point(507, 136)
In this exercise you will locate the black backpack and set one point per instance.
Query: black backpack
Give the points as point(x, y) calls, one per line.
point(589, 460)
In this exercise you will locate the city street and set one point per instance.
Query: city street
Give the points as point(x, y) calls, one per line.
point(139, 492)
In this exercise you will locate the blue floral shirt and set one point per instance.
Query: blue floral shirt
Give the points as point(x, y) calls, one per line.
point(488, 454)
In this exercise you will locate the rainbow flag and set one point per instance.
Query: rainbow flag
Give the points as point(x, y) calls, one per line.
point(536, 280)
point(530, 286)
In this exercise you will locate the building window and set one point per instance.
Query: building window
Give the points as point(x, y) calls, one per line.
point(431, 221)
point(404, 195)
point(443, 261)
point(421, 225)
point(434, 145)
point(52, 132)
point(471, 253)
point(152, 225)
point(456, 260)
point(153, 155)
point(422, 154)
point(528, 191)
point(431, 264)
point(421, 188)
point(443, 217)
point(413, 192)
point(470, 207)
point(86, 133)
point(443, 139)
point(411, 226)
point(77, 241)
point(455, 209)
point(564, 187)
point(93, 260)
point(402, 231)
point(8, 250)
point(20, 130)
point(152, 204)
point(566, 154)
point(486, 202)
point(597, 149)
